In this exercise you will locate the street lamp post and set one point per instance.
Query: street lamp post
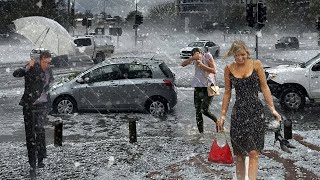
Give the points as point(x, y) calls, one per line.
point(136, 26)
point(68, 18)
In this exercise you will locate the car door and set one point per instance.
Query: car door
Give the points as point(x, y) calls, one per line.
point(315, 81)
point(135, 86)
point(84, 49)
point(101, 90)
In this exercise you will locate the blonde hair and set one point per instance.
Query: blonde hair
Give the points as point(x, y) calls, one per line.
point(235, 47)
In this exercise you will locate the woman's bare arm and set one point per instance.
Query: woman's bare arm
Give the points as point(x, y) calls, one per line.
point(265, 88)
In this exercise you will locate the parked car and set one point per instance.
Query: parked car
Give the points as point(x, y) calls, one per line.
point(292, 84)
point(287, 42)
point(87, 48)
point(126, 83)
point(213, 48)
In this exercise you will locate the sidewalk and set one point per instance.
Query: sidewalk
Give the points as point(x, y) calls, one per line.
point(156, 158)
point(292, 171)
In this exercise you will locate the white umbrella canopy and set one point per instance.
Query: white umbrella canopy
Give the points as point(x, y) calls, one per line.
point(45, 33)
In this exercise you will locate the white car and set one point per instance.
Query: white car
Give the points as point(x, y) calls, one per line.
point(292, 84)
point(88, 47)
point(213, 48)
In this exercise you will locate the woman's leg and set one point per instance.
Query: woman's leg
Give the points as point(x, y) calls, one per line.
point(197, 105)
point(253, 164)
point(205, 108)
point(240, 167)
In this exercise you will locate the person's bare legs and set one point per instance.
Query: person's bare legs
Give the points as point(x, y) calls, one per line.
point(240, 167)
point(253, 164)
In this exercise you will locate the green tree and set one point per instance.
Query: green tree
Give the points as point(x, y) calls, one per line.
point(119, 20)
point(131, 16)
point(291, 16)
point(314, 11)
point(236, 17)
point(163, 12)
point(21, 8)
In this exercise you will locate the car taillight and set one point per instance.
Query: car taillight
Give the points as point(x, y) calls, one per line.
point(168, 82)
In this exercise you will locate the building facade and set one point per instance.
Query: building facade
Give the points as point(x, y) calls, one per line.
point(203, 14)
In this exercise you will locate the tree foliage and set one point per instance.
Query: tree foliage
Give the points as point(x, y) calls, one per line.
point(131, 16)
point(14, 9)
point(163, 11)
point(236, 17)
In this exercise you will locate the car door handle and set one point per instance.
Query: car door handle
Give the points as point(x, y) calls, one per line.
point(313, 77)
point(113, 85)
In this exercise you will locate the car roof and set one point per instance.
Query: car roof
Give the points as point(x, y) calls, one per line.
point(202, 41)
point(289, 37)
point(123, 60)
point(131, 59)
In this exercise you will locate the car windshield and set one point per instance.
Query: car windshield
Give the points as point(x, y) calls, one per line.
point(283, 39)
point(196, 44)
point(64, 79)
point(305, 64)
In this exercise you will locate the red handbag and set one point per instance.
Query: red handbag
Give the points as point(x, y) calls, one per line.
point(219, 154)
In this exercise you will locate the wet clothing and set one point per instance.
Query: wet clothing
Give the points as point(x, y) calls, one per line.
point(202, 104)
point(202, 78)
point(35, 101)
point(36, 83)
point(247, 117)
point(202, 101)
point(34, 120)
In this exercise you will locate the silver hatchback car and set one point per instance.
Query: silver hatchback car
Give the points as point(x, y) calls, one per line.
point(126, 83)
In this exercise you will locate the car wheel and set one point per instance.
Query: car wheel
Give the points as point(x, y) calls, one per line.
point(65, 105)
point(292, 99)
point(99, 58)
point(156, 106)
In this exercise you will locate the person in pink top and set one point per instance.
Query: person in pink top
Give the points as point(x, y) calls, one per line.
point(205, 68)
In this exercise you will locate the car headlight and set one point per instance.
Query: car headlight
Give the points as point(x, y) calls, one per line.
point(271, 76)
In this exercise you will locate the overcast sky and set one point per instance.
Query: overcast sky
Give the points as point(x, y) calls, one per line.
point(116, 7)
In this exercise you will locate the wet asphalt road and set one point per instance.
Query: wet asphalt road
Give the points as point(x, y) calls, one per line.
point(177, 123)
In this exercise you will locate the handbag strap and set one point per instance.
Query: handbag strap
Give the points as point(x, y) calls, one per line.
point(215, 79)
point(225, 136)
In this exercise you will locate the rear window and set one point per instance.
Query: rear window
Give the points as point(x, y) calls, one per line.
point(82, 42)
point(166, 71)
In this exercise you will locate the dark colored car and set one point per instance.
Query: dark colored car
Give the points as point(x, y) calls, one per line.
point(287, 42)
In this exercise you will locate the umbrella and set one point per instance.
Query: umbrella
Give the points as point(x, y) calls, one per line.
point(45, 33)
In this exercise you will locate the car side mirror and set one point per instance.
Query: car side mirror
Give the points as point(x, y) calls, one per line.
point(316, 67)
point(80, 80)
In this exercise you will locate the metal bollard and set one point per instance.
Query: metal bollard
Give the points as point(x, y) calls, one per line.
point(132, 131)
point(287, 130)
point(58, 133)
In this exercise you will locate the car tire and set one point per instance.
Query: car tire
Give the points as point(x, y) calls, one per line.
point(157, 106)
point(65, 105)
point(292, 99)
point(99, 58)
